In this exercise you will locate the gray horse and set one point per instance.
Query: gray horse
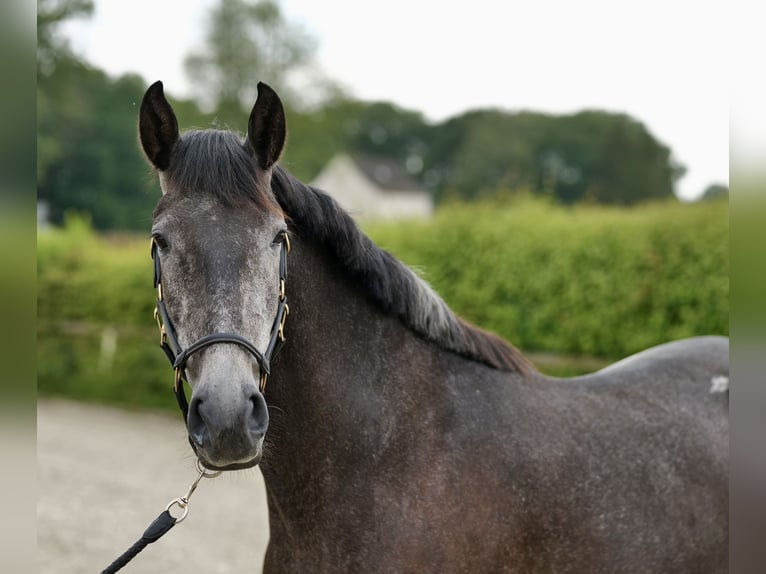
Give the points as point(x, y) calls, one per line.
point(392, 435)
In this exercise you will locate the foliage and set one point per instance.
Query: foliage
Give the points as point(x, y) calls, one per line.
point(594, 280)
point(246, 42)
point(88, 157)
point(89, 161)
point(595, 156)
point(51, 47)
point(584, 280)
point(92, 290)
point(715, 191)
point(592, 156)
point(87, 277)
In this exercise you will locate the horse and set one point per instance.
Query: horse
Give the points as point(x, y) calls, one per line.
point(392, 435)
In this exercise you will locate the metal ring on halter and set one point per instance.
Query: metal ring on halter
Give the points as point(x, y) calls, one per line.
point(206, 472)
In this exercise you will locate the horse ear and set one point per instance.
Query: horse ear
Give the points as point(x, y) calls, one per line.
point(157, 127)
point(266, 128)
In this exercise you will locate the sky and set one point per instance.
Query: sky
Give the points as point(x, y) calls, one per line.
point(662, 62)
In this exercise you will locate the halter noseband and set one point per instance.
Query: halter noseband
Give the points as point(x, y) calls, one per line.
point(178, 356)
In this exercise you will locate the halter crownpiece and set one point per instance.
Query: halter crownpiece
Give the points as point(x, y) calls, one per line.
point(178, 356)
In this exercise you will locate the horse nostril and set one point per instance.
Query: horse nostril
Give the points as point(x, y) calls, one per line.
point(259, 415)
point(196, 423)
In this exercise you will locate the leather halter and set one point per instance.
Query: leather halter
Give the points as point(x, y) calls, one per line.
point(178, 356)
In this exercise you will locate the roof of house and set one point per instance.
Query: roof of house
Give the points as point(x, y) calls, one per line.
point(386, 172)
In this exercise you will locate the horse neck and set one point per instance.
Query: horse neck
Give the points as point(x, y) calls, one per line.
point(345, 374)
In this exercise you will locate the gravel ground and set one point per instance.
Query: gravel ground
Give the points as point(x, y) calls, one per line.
point(104, 474)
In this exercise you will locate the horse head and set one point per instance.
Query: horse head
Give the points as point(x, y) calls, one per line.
point(219, 242)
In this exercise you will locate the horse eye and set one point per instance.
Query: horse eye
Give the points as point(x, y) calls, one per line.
point(160, 240)
point(279, 238)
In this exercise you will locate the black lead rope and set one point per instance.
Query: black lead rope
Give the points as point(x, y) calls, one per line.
point(161, 525)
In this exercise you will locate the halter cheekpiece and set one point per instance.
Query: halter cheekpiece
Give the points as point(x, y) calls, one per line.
point(178, 356)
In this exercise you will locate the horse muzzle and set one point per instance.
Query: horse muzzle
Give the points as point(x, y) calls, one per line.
point(227, 435)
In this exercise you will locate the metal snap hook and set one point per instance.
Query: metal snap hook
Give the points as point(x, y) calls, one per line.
point(183, 501)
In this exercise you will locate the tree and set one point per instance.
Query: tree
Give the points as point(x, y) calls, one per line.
point(50, 14)
point(592, 155)
point(715, 191)
point(88, 155)
point(52, 50)
point(247, 42)
point(88, 159)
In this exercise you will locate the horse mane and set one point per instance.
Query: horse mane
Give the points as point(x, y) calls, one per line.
point(393, 286)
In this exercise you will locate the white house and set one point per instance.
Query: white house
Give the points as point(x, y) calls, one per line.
point(374, 188)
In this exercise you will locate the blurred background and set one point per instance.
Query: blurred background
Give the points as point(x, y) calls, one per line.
point(575, 156)
point(558, 173)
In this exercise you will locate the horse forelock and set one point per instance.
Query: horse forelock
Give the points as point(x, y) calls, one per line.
point(393, 286)
point(216, 162)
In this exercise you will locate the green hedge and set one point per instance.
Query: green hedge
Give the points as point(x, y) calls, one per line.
point(586, 280)
point(583, 280)
point(96, 335)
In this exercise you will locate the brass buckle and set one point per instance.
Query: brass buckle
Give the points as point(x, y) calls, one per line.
point(287, 242)
point(264, 378)
point(161, 326)
point(177, 381)
point(281, 330)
